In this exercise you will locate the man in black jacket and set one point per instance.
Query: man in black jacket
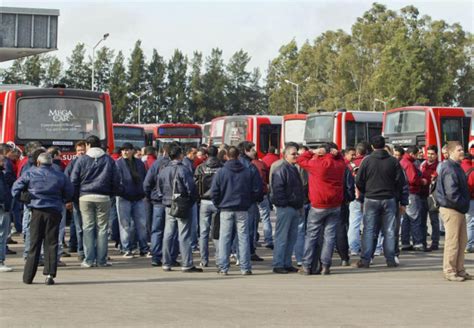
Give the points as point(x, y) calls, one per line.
point(176, 179)
point(453, 196)
point(380, 178)
point(287, 194)
point(203, 177)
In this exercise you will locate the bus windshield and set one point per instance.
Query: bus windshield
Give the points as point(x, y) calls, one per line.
point(294, 131)
point(403, 122)
point(235, 131)
point(54, 118)
point(319, 128)
point(133, 135)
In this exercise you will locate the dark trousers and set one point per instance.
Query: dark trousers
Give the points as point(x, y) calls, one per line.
point(342, 243)
point(44, 226)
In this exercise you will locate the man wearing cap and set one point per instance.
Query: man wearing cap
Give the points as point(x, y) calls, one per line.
point(49, 190)
point(130, 205)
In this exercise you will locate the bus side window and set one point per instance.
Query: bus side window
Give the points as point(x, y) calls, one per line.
point(269, 136)
point(452, 130)
point(375, 129)
point(355, 133)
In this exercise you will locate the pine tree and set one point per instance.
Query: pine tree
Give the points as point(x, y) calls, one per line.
point(103, 69)
point(34, 70)
point(15, 74)
point(119, 89)
point(154, 109)
point(214, 85)
point(196, 93)
point(78, 73)
point(53, 71)
point(177, 89)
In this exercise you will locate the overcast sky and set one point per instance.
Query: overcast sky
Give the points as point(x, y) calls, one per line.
point(258, 27)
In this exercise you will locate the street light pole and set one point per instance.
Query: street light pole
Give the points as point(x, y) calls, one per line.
point(104, 37)
point(383, 102)
point(139, 97)
point(297, 93)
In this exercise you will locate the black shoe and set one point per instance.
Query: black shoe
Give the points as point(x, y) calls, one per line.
point(407, 248)
point(41, 263)
point(392, 264)
point(247, 273)
point(434, 247)
point(361, 265)
point(291, 269)
point(10, 252)
point(156, 263)
point(143, 254)
point(72, 250)
point(175, 264)
point(256, 258)
point(345, 263)
point(427, 249)
point(304, 272)
point(280, 270)
point(193, 269)
point(269, 247)
point(325, 270)
point(11, 241)
point(49, 281)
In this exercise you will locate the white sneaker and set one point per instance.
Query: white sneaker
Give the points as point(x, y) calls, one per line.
point(4, 268)
point(396, 260)
point(377, 253)
point(128, 255)
point(237, 262)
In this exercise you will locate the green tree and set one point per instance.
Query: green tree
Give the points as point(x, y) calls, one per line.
point(155, 103)
point(78, 73)
point(238, 84)
point(137, 82)
point(53, 70)
point(214, 83)
point(119, 89)
point(15, 74)
point(177, 89)
point(34, 70)
point(103, 68)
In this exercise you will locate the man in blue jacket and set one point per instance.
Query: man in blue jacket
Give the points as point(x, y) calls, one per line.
point(286, 193)
point(95, 178)
point(49, 189)
point(172, 180)
point(130, 205)
point(452, 194)
point(233, 191)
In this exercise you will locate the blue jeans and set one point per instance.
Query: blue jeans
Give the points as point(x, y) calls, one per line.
point(4, 226)
point(95, 219)
point(322, 223)
point(183, 226)
point(129, 211)
point(15, 216)
point(62, 233)
point(264, 209)
point(194, 227)
point(76, 214)
point(26, 230)
point(470, 227)
point(286, 232)
point(299, 245)
point(434, 219)
point(252, 217)
point(355, 220)
point(205, 215)
point(157, 232)
point(411, 222)
point(113, 221)
point(379, 214)
point(228, 221)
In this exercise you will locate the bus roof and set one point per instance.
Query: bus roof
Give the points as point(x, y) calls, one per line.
point(424, 108)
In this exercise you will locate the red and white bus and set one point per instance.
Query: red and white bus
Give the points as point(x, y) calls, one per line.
point(424, 126)
point(344, 128)
point(206, 132)
point(263, 130)
point(129, 133)
point(55, 117)
point(292, 129)
point(187, 134)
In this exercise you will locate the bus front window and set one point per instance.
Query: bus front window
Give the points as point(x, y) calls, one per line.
point(235, 131)
point(403, 122)
point(60, 119)
point(319, 128)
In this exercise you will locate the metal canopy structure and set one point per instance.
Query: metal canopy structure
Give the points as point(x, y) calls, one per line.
point(27, 31)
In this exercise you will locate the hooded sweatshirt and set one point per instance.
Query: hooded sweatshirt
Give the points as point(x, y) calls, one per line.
point(204, 175)
point(413, 174)
point(427, 171)
point(233, 188)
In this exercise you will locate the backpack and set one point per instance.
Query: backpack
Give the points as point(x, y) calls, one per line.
point(433, 205)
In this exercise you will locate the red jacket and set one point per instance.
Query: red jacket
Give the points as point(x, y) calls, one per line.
point(269, 159)
point(150, 159)
point(412, 173)
point(427, 171)
point(264, 172)
point(326, 179)
point(20, 165)
point(115, 157)
point(466, 166)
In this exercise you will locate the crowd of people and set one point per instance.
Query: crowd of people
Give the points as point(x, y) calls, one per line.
point(364, 201)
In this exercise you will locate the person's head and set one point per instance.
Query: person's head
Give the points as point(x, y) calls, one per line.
point(413, 151)
point(389, 149)
point(431, 154)
point(14, 155)
point(117, 151)
point(150, 150)
point(233, 153)
point(201, 153)
point(350, 154)
point(444, 152)
point(271, 150)
point(212, 151)
point(137, 152)
point(362, 148)
point(175, 152)
point(248, 148)
point(44, 158)
point(455, 151)
point(291, 154)
point(127, 150)
point(55, 152)
point(302, 149)
point(36, 153)
point(471, 151)
point(378, 142)
point(80, 147)
point(398, 152)
point(191, 152)
point(92, 142)
point(165, 150)
point(31, 146)
point(222, 155)
point(5, 149)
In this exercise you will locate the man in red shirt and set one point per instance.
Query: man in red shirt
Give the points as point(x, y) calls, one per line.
point(428, 172)
point(270, 157)
point(469, 169)
point(411, 221)
point(326, 168)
